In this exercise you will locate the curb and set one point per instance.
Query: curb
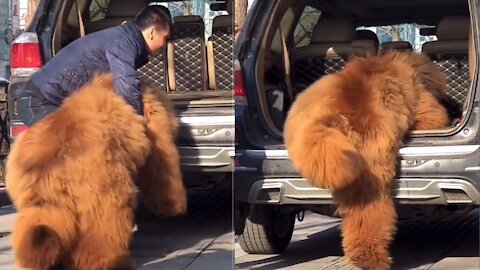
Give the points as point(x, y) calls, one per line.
point(4, 199)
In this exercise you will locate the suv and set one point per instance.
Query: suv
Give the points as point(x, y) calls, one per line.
point(193, 69)
point(286, 45)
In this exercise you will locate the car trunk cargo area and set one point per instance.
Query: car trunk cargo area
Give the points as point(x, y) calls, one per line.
point(312, 34)
point(195, 66)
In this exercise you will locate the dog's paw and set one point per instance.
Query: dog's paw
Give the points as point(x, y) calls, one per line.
point(368, 256)
point(172, 207)
point(122, 262)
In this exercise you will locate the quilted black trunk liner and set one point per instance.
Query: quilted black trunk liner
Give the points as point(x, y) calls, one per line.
point(223, 54)
point(189, 55)
point(153, 72)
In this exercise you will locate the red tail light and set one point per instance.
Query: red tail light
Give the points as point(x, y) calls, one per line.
point(16, 129)
point(239, 85)
point(25, 55)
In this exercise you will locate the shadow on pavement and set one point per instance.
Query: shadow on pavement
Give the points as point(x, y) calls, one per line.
point(213, 259)
point(320, 245)
point(174, 243)
point(416, 244)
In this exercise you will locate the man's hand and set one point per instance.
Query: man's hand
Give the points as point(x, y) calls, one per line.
point(237, 30)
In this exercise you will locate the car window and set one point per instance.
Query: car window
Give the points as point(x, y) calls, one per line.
point(305, 26)
point(97, 10)
point(286, 24)
point(406, 32)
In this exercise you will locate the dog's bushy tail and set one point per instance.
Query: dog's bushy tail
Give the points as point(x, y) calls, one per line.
point(41, 236)
point(322, 152)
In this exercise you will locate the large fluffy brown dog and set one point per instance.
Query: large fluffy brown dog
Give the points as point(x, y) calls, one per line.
point(72, 177)
point(344, 132)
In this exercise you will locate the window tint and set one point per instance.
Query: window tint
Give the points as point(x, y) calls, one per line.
point(305, 26)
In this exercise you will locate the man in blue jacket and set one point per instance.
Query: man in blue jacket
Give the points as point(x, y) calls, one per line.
point(120, 50)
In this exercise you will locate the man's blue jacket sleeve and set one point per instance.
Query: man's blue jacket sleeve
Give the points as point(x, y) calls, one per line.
point(122, 57)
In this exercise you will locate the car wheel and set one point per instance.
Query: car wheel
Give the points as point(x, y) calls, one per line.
point(267, 230)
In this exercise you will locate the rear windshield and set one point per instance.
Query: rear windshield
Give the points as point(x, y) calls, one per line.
point(98, 8)
point(200, 8)
point(409, 32)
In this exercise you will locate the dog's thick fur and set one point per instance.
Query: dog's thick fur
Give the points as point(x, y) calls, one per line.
point(160, 180)
point(72, 178)
point(344, 132)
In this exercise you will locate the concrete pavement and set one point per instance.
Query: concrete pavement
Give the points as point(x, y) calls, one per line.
point(436, 245)
point(201, 240)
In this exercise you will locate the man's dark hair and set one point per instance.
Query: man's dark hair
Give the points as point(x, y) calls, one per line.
point(158, 16)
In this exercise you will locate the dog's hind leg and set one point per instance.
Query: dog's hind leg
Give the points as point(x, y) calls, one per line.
point(106, 232)
point(42, 235)
point(368, 229)
point(160, 180)
point(430, 114)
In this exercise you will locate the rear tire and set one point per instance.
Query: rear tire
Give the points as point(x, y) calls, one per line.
point(266, 230)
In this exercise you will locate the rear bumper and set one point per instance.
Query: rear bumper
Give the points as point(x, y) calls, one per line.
point(207, 143)
point(428, 175)
point(207, 158)
point(408, 191)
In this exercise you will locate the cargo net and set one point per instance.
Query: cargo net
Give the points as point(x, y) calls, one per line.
point(457, 71)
